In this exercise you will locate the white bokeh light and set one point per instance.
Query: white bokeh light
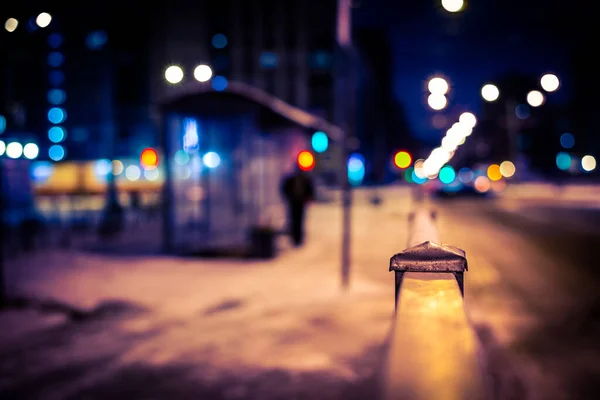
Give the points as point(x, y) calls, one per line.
point(133, 172)
point(2, 147)
point(31, 151)
point(468, 120)
point(535, 98)
point(174, 74)
point(43, 20)
point(11, 24)
point(211, 159)
point(453, 5)
point(549, 82)
point(202, 73)
point(490, 92)
point(588, 163)
point(438, 85)
point(437, 101)
point(14, 150)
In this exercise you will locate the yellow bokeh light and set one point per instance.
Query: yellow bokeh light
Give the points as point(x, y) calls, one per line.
point(402, 159)
point(11, 24)
point(117, 167)
point(306, 160)
point(507, 169)
point(493, 172)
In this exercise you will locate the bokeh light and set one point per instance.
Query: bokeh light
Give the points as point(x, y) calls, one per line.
point(468, 119)
point(151, 174)
point(419, 171)
point(174, 74)
point(56, 96)
point(102, 168)
point(57, 115)
point(550, 82)
point(563, 161)
point(181, 157)
point(133, 172)
point(306, 161)
point(465, 175)
point(43, 20)
point(31, 151)
point(219, 41)
point(490, 92)
point(522, 111)
point(96, 40)
point(438, 85)
point(56, 134)
point(356, 169)
point(437, 101)
point(447, 174)
point(567, 140)
point(453, 5)
point(202, 73)
point(56, 152)
point(493, 172)
point(211, 159)
point(498, 186)
point(320, 142)
point(11, 24)
point(482, 184)
point(149, 159)
point(219, 83)
point(14, 150)
point(588, 163)
point(2, 124)
point(117, 167)
point(2, 147)
point(507, 169)
point(408, 174)
point(402, 159)
point(535, 98)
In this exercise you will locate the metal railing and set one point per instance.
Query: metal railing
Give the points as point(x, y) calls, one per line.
point(433, 352)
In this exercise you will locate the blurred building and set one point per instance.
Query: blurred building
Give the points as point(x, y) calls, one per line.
point(282, 47)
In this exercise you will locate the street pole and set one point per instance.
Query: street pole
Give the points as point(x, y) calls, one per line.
point(343, 101)
point(512, 129)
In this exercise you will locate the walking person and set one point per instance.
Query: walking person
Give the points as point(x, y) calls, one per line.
point(298, 191)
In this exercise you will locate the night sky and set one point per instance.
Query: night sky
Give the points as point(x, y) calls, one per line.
point(488, 39)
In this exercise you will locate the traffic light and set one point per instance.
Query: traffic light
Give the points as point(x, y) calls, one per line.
point(149, 159)
point(306, 161)
point(402, 159)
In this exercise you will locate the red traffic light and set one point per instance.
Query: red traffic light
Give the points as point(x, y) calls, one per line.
point(149, 159)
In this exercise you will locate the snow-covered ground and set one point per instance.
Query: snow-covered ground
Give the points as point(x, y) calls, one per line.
point(219, 320)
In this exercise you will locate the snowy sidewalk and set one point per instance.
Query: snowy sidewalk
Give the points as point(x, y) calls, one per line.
point(230, 329)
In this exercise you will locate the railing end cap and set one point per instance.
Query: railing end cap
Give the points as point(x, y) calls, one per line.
point(430, 257)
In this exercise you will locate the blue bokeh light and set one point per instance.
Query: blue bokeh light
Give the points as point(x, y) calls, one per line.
point(55, 59)
point(522, 111)
point(41, 171)
point(56, 152)
point(56, 134)
point(567, 140)
point(320, 142)
point(219, 83)
point(56, 96)
point(2, 124)
point(268, 59)
point(211, 159)
point(54, 40)
point(56, 115)
point(417, 179)
point(96, 40)
point(56, 78)
point(563, 161)
point(356, 169)
point(219, 41)
point(447, 175)
point(102, 168)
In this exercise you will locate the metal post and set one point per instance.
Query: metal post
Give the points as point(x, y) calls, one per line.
point(342, 108)
point(511, 129)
